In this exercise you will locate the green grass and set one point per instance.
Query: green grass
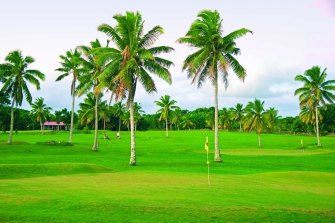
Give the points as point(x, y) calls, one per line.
point(53, 182)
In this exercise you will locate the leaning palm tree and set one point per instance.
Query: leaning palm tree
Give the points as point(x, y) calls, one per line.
point(40, 111)
point(166, 107)
point(255, 118)
point(131, 61)
point(237, 114)
point(213, 58)
point(315, 92)
point(71, 64)
point(16, 75)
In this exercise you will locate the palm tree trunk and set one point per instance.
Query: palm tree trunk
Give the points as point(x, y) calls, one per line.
point(166, 128)
point(217, 157)
point(240, 127)
point(41, 126)
point(317, 126)
point(11, 123)
point(259, 140)
point(95, 145)
point(132, 134)
point(104, 125)
point(119, 124)
point(72, 115)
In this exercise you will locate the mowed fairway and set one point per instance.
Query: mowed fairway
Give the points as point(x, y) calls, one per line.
point(57, 183)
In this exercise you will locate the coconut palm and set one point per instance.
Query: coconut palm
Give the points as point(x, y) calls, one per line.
point(16, 76)
point(105, 112)
point(176, 116)
point(225, 119)
point(118, 110)
point(131, 61)
point(186, 122)
point(87, 108)
point(213, 58)
point(126, 119)
point(272, 117)
point(307, 116)
point(40, 111)
point(137, 113)
point(71, 64)
point(166, 107)
point(255, 118)
point(315, 92)
point(237, 114)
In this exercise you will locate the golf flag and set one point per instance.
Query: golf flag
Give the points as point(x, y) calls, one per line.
point(206, 144)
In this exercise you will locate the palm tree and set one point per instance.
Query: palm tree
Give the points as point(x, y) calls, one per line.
point(132, 60)
point(187, 122)
point(272, 118)
point(213, 58)
point(225, 119)
point(87, 108)
point(105, 112)
point(315, 92)
point(307, 116)
point(16, 75)
point(118, 110)
point(176, 116)
point(40, 111)
point(255, 118)
point(166, 107)
point(237, 114)
point(94, 65)
point(71, 64)
point(137, 113)
point(126, 119)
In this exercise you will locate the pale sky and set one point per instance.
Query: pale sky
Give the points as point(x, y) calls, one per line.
point(289, 37)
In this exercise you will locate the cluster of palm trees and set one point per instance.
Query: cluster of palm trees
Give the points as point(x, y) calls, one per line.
point(128, 60)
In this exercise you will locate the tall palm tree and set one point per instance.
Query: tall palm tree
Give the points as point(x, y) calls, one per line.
point(87, 108)
point(237, 114)
point(94, 65)
point(131, 61)
point(166, 107)
point(255, 118)
point(71, 64)
point(315, 92)
point(118, 110)
point(40, 111)
point(213, 58)
point(16, 76)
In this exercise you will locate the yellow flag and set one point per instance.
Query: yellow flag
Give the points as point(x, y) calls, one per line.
point(206, 144)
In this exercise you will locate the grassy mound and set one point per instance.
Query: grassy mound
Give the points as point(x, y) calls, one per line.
point(12, 171)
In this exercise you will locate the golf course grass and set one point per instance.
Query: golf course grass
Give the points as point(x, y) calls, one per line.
point(44, 179)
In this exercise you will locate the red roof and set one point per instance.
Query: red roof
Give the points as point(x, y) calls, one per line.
point(53, 123)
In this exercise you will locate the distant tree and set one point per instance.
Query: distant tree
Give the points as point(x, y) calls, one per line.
point(187, 122)
point(87, 109)
point(137, 113)
point(272, 118)
point(166, 107)
point(255, 118)
point(237, 114)
point(133, 58)
point(105, 112)
point(118, 110)
point(176, 116)
point(71, 64)
point(213, 57)
point(315, 92)
point(126, 119)
point(15, 76)
point(225, 119)
point(308, 116)
point(40, 111)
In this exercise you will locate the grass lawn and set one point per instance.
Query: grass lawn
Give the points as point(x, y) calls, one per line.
point(52, 182)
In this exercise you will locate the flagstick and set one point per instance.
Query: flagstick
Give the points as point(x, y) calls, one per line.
point(209, 182)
